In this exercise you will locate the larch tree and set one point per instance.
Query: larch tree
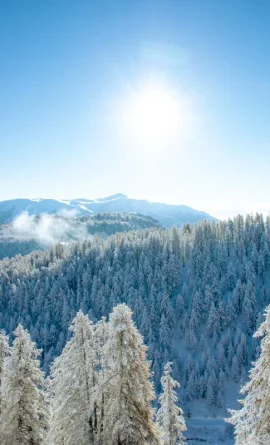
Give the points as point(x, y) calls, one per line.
point(24, 419)
point(252, 421)
point(170, 416)
point(101, 337)
point(128, 392)
point(72, 383)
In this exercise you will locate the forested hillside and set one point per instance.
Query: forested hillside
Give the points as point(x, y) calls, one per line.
point(197, 294)
point(28, 233)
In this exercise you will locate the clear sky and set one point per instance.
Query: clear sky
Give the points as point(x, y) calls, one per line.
point(68, 67)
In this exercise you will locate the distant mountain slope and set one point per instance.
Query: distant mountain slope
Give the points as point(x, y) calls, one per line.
point(167, 214)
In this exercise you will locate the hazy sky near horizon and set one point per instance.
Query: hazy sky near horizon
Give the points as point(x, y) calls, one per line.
point(68, 67)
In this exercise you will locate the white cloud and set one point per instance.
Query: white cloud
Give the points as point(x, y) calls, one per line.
point(47, 229)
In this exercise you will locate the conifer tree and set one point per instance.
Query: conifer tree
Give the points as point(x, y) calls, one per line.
point(101, 337)
point(252, 421)
point(73, 379)
point(24, 419)
point(4, 353)
point(170, 416)
point(128, 393)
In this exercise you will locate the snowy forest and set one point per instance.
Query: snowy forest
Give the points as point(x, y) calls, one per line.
point(99, 390)
point(198, 297)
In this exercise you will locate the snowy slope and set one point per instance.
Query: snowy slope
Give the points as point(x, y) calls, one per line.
point(167, 215)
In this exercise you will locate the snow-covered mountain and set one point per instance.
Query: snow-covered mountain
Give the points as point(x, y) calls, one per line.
point(166, 214)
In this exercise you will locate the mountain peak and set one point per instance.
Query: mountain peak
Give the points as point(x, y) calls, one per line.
point(113, 197)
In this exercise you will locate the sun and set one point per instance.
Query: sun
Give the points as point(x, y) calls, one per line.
point(153, 115)
point(155, 118)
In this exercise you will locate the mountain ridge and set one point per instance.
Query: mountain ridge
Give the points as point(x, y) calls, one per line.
point(167, 214)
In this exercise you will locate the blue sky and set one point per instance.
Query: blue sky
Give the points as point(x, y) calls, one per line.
point(66, 65)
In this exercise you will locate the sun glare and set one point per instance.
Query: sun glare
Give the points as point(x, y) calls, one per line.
point(153, 115)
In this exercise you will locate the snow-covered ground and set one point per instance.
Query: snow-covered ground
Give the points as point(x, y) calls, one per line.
point(205, 428)
point(207, 431)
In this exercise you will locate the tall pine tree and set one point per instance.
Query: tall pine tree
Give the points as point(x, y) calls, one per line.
point(252, 421)
point(4, 353)
point(24, 419)
point(128, 393)
point(73, 378)
point(170, 416)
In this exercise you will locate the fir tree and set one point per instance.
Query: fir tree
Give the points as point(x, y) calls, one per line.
point(170, 416)
point(73, 379)
point(128, 416)
point(252, 421)
point(24, 419)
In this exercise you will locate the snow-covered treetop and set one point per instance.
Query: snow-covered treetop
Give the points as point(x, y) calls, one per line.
point(264, 329)
point(120, 318)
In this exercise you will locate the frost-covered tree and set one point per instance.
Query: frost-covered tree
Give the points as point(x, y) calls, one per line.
point(24, 419)
point(252, 421)
point(4, 353)
point(212, 391)
point(128, 393)
point(73, 379)
point(101, 337)
point(214, 322)
point(170, 416)
point(191, 340)
point(249, 307)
